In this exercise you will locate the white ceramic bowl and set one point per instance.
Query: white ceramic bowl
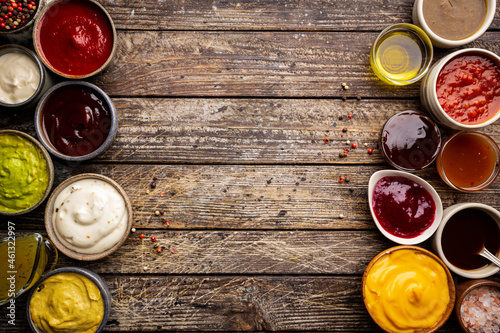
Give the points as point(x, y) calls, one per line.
point(436, 240)
point(428, 93)
point(418, 19)
point(437, 200)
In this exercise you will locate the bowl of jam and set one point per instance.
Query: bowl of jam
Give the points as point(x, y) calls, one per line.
point(461, 90)
point(76, 121)
point(467, 228)
point(469, 161)
point(405, 208)
point(75, 39)
point(410, 141)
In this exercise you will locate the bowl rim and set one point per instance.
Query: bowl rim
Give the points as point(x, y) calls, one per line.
point(463, 289)
point(50, 167)
point(436, 240)
point(482, 186)
point(48, 65)
point(449, 277)
point(48, 145)
point(433, 82)
point(376, 176)
point(49, 227)
point(41, 69)
point(410, 112)
point(94, 277)
point(421, 35)
point(448, 43)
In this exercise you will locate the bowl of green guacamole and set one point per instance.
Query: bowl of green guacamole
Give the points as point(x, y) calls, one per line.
point(26, 173)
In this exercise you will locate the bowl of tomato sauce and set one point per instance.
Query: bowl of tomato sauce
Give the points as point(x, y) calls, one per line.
point(75, 39)
point(462, 89)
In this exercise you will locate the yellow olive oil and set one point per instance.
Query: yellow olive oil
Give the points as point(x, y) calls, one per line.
point(400, 56)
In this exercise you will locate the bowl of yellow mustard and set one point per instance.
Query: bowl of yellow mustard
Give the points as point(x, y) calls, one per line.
point(26, 173)
point(408, 289)
point(71, 300)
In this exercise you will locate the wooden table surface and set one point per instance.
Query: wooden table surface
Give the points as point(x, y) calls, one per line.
point(227, 104)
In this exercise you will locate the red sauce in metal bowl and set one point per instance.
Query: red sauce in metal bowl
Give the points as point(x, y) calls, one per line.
point(468, 88)
point(403, 207)
point(75, 37)
point(76, 120)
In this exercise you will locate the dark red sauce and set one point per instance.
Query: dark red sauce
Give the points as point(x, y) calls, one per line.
point(76, 120)
point(464, 236)
point(403, 207)
point(410, 140)
point(468, 88)
point(75, 37)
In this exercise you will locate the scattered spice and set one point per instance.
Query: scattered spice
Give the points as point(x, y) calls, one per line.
point(346, 150)
point(350, 116)
point(162, 194)
point(157, 213)
point(342, 155)
point(347, 179)
point(147, 191)
point(370, 150)
point(173, 250)
point(153, 185)
point(354, 145)
point(347, 142)
point(326, 140)
point(133, 230)
point(155, 178)
point(145, 268)
point(168, 223)
point(344, 130)
point(158, 250)
point(341, 216)
point(358, 98)
point(344, 98)
point(341, 117)
point(156, 245)
point(141, 236)
point(346, 87)
point(341, 179)
point(153, 238)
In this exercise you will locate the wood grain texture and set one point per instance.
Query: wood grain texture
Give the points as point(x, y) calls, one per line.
point(250, 197)
point(246, 131)
point(251, 64)
point(308, 15)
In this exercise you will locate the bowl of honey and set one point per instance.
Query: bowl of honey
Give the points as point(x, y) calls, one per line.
point(467, 228)
point(401, 54)
point(469, 161)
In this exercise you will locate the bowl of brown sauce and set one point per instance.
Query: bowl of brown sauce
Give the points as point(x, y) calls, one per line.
point(76, 121)
point(453, 23)
point(464, 230)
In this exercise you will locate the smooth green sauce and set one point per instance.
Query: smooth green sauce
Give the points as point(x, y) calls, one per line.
point(24, 174)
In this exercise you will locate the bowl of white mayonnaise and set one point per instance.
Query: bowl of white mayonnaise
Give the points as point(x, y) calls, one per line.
point(88, 216)
point(23, 78)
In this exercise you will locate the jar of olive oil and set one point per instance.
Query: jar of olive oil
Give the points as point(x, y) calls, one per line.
point(401, 54)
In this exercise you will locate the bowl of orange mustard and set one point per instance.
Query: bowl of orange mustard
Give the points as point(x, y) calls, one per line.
point(408, 289)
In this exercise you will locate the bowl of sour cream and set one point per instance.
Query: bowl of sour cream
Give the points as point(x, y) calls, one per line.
point(88, 216)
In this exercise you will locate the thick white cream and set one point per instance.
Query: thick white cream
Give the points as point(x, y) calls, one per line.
point(19, 77)
point(90, 216)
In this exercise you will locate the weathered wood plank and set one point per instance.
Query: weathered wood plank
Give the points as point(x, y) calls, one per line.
point(250, 197)
point(306, 15)
point(180, 303)
point(245, 131)
point(254, 64)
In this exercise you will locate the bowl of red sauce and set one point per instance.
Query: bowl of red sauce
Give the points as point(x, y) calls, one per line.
point(405, 208)
point(465, 229)
point(76, 121)
point(75, 39)
point(469, 161)
point(462, 89)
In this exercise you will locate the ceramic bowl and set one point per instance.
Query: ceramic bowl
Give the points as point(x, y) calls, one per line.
point(428, 92)
point(463, 289)
point(435, 196)
point(418, 250)
point(447, 178)
point(44, 84)
point(42, 132)
point(83, 209)
point(99, 282)
point(52, 10)
point(50, 168)
point(437, 240)
point(413, 32)
point(23, 34)
point(418, 19)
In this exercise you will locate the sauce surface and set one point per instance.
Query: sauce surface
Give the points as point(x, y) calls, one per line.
point(19, 77)
point(24, 173)
point(406, 291)
point(90, 216)
point(454, 19)
point(468, 88)
point(75, 37)
point(465, 235)
point(76, 121)
point(468, 160)
point(403, 207)
point(67, 302)
point(410, 140)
